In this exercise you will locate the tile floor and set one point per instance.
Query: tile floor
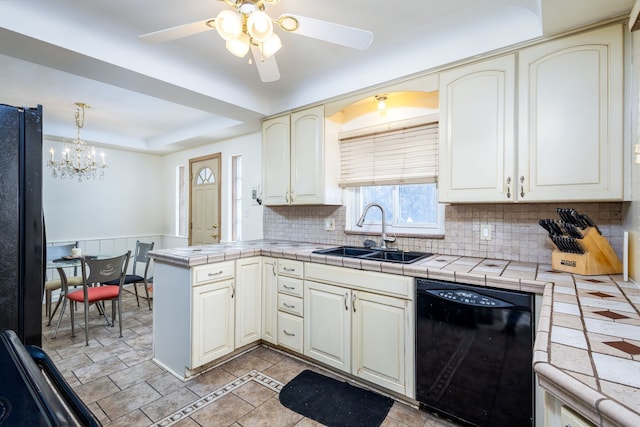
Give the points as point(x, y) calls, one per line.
point(120, 383)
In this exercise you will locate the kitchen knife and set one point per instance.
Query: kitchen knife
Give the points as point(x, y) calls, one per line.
point(590, 222)
point(572, 231)
point(557, 230)
point(557, 240)
point(543, 224)
point(577, 219)
point(565, 215)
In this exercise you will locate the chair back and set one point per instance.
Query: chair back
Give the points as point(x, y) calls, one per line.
point(59, 251)
point(142, 255)
point(105, 269)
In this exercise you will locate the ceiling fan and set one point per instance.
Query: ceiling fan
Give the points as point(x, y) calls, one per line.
point(248, 27)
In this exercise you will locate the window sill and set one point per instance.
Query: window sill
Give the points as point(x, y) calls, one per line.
point(409, 235)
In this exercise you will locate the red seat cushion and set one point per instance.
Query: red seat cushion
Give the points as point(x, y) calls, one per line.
point(95, 294)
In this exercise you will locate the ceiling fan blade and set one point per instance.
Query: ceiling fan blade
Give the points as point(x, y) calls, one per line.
point(267, 68)
point(177, 32)
point(331, 32)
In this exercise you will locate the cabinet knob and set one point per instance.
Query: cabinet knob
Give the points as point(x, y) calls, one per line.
point(522, 186)
point(288, 333)
point(508, 187)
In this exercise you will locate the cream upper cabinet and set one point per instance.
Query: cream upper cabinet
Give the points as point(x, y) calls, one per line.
point(569, 120)
point(477, 132)
point(297, 160)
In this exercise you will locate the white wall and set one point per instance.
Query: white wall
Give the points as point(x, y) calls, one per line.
point(250, 148)
point(123, 204)
point(137, 196)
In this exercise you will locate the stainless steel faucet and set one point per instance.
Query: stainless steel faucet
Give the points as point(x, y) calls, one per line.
point(384, 237)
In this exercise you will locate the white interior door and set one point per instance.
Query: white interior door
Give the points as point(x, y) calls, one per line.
point(205, 200)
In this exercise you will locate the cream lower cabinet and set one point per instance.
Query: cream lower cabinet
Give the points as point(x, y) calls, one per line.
point(327, 335)
point(366, 334)
point(212, 313)
point(269, 300)
point(248, 300)
point(290, 304)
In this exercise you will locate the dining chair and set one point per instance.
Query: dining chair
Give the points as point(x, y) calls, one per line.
point(95, 272)
point(140, 256)
point(53, 253)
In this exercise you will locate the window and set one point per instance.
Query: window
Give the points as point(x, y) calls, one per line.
point(181, 204)
point(395, 166)
point(236, 194)
point(409, 208)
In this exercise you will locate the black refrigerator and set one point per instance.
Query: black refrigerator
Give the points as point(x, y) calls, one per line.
point(22, 241)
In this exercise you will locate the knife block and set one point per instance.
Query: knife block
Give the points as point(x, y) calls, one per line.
point(599, 257)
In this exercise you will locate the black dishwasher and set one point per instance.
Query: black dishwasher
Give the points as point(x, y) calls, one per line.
point(474, 349)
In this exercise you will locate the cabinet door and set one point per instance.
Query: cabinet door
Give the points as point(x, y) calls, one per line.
point(269, 301)
point(327, 334)
point(571, 114)
point(307, 156)
point(276, 161)
point(383, 338)
point(213, 319)
point(477, 132)
point(248, 300)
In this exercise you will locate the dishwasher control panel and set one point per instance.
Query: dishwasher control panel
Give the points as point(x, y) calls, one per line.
point(468, 297)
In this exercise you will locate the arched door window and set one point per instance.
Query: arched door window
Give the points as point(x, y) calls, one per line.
point(205, 176)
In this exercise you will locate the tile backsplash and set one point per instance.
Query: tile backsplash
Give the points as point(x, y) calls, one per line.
point(515, 232)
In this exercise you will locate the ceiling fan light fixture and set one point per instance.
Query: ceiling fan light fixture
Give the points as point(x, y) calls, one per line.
point(239, 46)
point(271, 46)
point(229, 24)
point(288, 23)
point(259, 26)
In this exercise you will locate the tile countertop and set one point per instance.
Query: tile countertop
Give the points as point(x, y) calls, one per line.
point(587, 347)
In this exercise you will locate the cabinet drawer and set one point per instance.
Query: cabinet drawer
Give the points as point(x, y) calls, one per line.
point(290, 304)
point(287, 285)
point(290, 329)
point(212, 273)
point(291, 268)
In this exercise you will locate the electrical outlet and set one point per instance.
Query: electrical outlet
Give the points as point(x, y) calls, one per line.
point(329, 224)
point(485, 232)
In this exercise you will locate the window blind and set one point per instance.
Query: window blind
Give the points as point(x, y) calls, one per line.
point(401, 156)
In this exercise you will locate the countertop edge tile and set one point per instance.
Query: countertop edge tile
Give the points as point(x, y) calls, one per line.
point(617, 413)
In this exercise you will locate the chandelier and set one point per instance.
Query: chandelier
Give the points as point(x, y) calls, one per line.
point(250, 25)
point(78, 158)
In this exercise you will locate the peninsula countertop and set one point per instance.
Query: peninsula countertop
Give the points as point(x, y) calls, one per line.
point(587, 347)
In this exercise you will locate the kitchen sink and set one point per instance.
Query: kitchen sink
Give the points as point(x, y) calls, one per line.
point(375, 254)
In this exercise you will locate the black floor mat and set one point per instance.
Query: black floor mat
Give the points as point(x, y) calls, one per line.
point(334, 403)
